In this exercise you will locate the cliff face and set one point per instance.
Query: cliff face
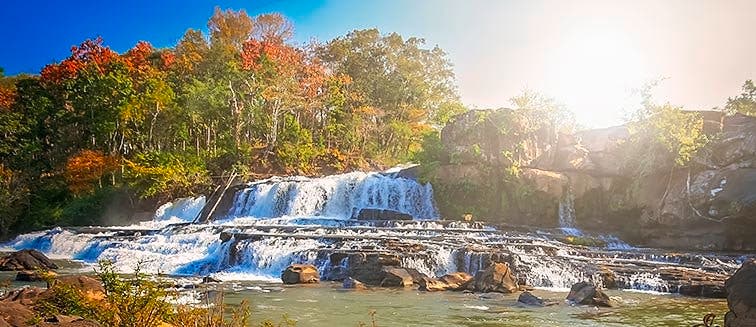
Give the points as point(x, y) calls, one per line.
point(497, 172)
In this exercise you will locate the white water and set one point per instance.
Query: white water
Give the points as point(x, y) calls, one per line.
point(338, 196)
point(281, 221)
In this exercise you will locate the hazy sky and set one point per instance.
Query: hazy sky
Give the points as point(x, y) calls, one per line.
point(587, 54)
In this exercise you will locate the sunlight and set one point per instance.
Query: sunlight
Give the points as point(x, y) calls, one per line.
point(591, 70)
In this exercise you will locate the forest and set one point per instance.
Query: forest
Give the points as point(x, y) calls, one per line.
point(154, 124)
point(159, 123)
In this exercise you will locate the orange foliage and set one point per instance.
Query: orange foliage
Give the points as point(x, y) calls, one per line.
point(7, 97)
point(287, 61)
point(87, 167)
point(137, 58)
point(91, 53)
point(167, 59)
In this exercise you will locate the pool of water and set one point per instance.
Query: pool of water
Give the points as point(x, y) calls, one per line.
point(327, 304)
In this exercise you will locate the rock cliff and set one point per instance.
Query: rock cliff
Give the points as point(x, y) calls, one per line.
point(494, 165)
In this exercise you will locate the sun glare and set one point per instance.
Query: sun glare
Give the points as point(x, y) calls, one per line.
point(590, 70)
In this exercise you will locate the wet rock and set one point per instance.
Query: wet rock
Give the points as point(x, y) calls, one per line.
point(496, 278)
point(528, 298)
point(450, 282)
point(382, 214)
point(608, 278)
point(226, 236)
point(34, 276)
point(693, 282)
point(209, 279)
point(26, 260)
point(492, 296)
point(741, 298)
point(352, 283)
point(586, 293)
point(396, 277)
point(368, 268)
point(300, 274)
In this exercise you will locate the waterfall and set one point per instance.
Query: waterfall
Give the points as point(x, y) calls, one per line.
point(567, 213)
point(273, 223)
point(337, 196)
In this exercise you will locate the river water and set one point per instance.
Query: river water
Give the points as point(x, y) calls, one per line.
point(272, 223)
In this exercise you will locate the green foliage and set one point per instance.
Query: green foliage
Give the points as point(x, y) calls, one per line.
point(745, 103)
point(166, 174)
point(238, 98)
point(662, 134)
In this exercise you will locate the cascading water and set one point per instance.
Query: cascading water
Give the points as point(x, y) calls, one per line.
point(567, 213)
point(273, 223)
point(339, 196)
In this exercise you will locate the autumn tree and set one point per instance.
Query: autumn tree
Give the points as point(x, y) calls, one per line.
point(401, 84)
point(85, 170)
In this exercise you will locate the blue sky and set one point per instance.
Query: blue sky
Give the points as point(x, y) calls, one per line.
point(588, 54)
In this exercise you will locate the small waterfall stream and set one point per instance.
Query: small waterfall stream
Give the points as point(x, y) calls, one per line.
point(279, 221)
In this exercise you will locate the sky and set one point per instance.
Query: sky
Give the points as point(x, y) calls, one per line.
point(588, 55)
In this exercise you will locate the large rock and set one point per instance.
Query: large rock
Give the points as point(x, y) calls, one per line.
point(382, 214)
point(26, 260)
point(450, 282)
point(528, 298)
point(34, 276)
point(90, 287)
point(300, 274)
point(496, 278)
point(396, 277)
point(15, 314)
point(586, 293)
point(368, 267)
point(741, 298)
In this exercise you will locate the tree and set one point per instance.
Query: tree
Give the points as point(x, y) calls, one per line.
point(229, 29)
point(85, 170)
point(745, 103)
point(401, 84)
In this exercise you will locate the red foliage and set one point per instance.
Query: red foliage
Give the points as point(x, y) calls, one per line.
point(91, 53)
point(287, 61)
point(87, 167)
point(138, 57)
point(167, 59)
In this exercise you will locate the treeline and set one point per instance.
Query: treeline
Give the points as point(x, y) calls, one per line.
point(242, 98)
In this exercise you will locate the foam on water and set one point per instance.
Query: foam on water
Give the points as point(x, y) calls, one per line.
point(280, 221)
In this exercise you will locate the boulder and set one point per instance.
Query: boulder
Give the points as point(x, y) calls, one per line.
point(352, 283)
point(25, 295)
point(382, 214)
point(34, 276)
point(26, 260)
point(586, 293)
point(225, 236)
point(90, 287)
point(741, 296)
point(396, 277)
point(209, 279)
point(496, 278)
point(528, 298)
point(15, 314)
point(300, 274)
point(450, 282)
point(368, 267)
